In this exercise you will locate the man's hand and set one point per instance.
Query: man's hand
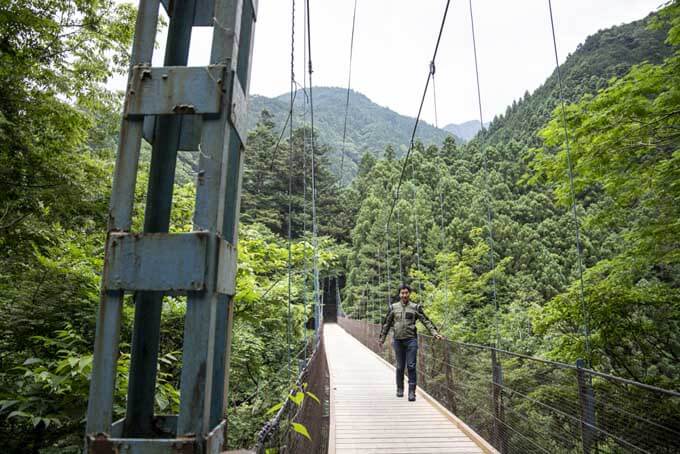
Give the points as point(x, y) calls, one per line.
point(438, 336)
point(381, 342)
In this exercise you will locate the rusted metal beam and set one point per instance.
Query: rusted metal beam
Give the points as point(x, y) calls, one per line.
point(156, 261)
point(175, 90)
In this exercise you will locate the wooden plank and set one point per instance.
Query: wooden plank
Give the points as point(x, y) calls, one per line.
point(407, 450)
point(410, 444)
point(396, 439)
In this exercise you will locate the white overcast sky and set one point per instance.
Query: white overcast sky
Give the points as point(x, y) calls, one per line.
point(394, 41)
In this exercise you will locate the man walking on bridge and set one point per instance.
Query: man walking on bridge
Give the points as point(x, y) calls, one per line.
point(402, 316)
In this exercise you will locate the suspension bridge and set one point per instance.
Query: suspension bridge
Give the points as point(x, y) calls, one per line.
point(465, 405)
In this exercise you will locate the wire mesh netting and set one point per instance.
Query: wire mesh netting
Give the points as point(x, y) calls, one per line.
point(522, 404)
point(301, 425)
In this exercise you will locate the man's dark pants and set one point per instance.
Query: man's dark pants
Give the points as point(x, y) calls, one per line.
point(406, 352)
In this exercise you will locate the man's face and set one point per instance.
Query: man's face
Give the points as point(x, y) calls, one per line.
point(404, 294)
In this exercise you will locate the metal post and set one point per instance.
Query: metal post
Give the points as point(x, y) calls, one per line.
point(338, 300)
point(422, 378)
point(390, 353)
point(451, 397)
point(587, 406)
point(497, 402)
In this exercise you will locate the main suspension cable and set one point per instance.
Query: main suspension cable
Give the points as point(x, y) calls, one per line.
point(586, 327)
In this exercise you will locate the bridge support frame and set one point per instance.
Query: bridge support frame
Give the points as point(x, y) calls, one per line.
point(175, 107)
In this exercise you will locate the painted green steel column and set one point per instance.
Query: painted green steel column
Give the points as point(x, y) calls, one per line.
point(107, 337)
point(149, 304)
point(205, 309)
point(232, 208)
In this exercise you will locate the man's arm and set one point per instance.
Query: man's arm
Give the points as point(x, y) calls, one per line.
point(387, 324)
point(427, 322)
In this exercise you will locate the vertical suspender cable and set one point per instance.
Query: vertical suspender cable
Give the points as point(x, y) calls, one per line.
point(387, 266)
point(349, 84)
point(489, 209)
point(586, 327)
point(315, 240)
point(379, 278)
point(442, 232)
point(415, 219)
point(373, 304)
point(290, 190)
point(434, 94)
point(401, 265)
point(304, 180)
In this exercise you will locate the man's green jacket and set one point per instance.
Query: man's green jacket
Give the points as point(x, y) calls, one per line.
point(403, 317)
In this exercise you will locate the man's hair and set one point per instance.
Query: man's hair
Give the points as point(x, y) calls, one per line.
point(405, 286)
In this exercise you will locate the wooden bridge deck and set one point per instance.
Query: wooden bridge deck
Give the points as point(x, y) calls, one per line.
point(367, 417)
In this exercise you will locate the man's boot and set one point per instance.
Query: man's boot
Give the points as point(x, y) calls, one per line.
point(400, 386)
point(411, 392)
point(400, 392)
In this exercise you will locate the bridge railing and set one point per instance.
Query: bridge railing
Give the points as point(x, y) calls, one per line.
point(279, 435)
point(523, 404)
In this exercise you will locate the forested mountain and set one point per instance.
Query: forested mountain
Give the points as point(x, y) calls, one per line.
point(465, 131)
point(370, 127)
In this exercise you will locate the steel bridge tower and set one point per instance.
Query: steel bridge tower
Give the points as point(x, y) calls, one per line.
point(175, 107)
